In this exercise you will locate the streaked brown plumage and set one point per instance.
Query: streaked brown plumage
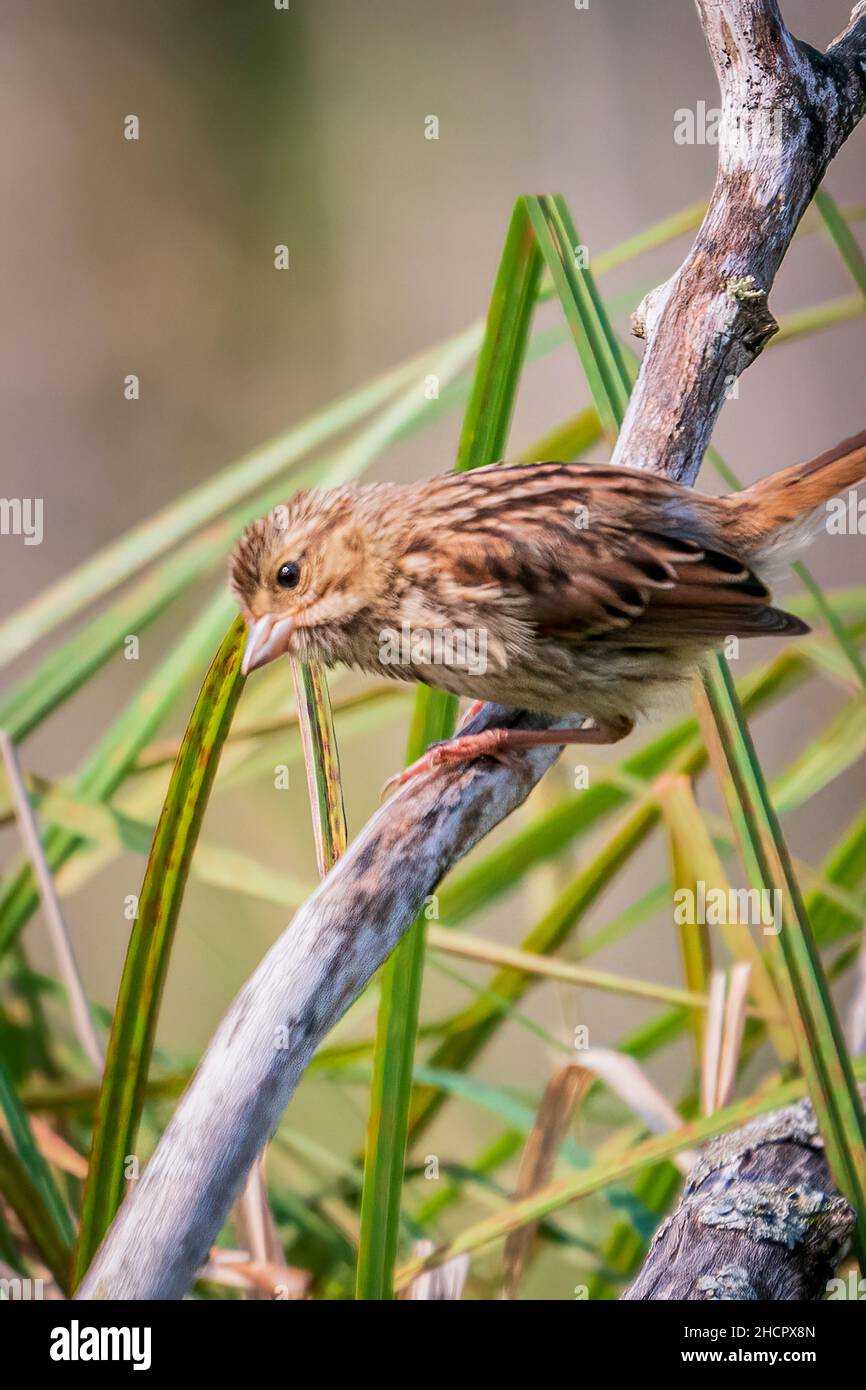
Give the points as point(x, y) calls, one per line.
point(597, 587)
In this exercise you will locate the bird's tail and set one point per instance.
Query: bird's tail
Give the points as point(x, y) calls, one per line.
point(782, 512)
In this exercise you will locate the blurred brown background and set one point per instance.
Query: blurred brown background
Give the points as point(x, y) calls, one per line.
point(156, 257)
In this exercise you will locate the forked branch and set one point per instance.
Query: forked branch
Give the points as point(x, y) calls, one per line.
point(786, 111)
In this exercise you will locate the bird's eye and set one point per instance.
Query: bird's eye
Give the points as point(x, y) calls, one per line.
point(288, 574)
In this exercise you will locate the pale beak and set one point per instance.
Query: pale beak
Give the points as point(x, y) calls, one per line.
point(268, 638)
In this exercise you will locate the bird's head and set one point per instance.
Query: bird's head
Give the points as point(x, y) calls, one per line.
point(306, 574)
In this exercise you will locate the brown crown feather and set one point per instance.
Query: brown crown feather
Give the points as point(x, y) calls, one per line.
point(246, 559)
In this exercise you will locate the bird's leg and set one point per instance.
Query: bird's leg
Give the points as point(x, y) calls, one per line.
point(506, 745)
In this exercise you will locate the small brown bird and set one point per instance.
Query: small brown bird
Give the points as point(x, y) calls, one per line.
point(552, 587)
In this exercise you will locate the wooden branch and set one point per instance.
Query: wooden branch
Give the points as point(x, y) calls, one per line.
point(759, 1219)
point(703, 328)
point(786, 110)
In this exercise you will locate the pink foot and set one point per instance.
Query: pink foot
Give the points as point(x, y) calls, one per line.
point(506, 745)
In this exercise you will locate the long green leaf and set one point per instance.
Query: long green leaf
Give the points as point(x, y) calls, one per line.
point(843, 239)
point(322, 762)
point(600, 354)
point(20, 1189)
point(134, 1026)
point(27, 1184)
point(803, 986)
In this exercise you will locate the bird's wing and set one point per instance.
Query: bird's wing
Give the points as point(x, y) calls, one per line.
point(587, 553)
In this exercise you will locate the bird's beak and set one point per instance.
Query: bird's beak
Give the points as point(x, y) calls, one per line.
point(267, 638)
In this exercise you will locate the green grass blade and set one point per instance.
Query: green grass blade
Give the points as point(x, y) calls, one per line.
point(842, 237)
point(845, 865)
point(600, 354)
point(834, 749)
point(40, 1174)
point(21, 1191)
point(833, 621)
point(482, 440)
point(692, 858)
point(134, 1026)
point(803, 323)
point(322, 763)
point(456, 943)
point(800, 976)
point(500, 361)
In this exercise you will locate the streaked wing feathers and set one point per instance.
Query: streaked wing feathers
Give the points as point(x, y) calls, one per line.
point(593, 553)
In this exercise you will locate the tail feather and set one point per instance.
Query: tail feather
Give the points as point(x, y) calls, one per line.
point(784, 509)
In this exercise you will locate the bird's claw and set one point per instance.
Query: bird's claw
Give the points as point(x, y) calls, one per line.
point(461, 749)
point(428, 763)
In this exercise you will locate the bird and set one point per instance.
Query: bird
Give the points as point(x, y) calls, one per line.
point(557, 588)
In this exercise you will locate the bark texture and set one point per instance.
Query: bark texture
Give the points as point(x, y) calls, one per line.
point(759, 1219)
point(786, 111)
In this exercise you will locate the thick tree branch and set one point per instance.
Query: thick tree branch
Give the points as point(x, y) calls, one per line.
point(759, 1219)
point(786, 110)
point(703, 328)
